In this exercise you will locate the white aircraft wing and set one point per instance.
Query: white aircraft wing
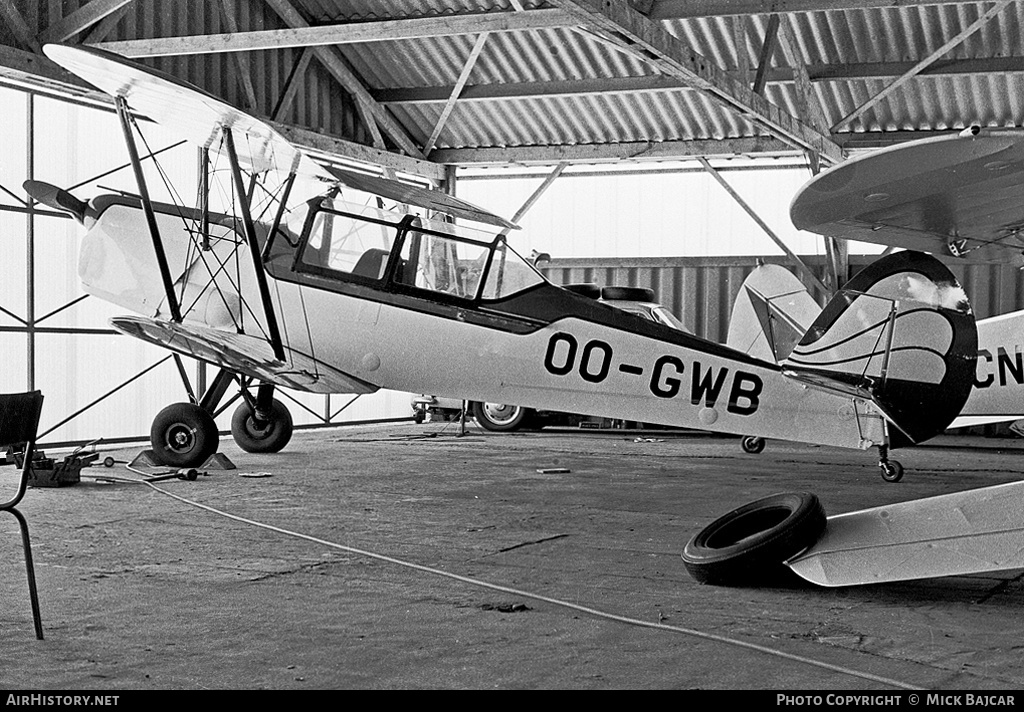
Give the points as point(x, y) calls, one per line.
point(420, 197)
point(199, 117)
point(184, 108)
point(955, 534)
point(244, 354)
point(960, 195)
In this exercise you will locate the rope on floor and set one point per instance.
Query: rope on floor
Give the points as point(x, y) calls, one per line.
point(538, 597)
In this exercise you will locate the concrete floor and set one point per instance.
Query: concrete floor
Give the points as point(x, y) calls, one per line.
point(433, 560)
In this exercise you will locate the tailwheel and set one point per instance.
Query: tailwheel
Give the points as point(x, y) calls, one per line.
point(269, 433)
point(892, 470)
point(183, 435)
point(752, 444)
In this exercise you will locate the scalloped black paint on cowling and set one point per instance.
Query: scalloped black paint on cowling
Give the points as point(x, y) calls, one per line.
point(919, 410)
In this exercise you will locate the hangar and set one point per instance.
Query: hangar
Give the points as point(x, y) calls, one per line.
point(465, 97)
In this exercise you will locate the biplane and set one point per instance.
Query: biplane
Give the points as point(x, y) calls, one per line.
point(341, 295)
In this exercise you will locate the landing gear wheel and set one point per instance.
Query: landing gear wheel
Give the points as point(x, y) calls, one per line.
point(255, 435)
point(892, 470)
point(749, 545)
point(500, 417)
point(752, 444)
point(183, 435)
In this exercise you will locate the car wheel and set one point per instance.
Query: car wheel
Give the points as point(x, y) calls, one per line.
point(750, 545)
point(183, 435)
point(500, 417)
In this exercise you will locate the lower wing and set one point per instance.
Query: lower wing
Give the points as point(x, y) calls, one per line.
point(248, 355)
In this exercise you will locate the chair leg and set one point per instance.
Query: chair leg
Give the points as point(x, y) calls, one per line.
point(30, 571)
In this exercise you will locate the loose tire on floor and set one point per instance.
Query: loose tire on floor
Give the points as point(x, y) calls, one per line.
point(253, 435)
point(501, 417)
point(749, 545)
point(183, 435)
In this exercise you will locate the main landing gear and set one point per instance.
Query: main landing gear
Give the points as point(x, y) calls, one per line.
point(185, 434)
point(257, 429)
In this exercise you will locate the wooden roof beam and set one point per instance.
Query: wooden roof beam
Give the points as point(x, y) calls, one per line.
point(338, 67)
point(764, 59)
point(657, 82)
point(449, 105)
point(652, 43)
point(84, 17)
point(687, 9)
point(305, 35)
point(17, 25)
point(613, 152)
point(920, 66)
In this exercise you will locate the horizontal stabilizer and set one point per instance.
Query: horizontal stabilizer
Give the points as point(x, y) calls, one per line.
point(248, 355)
point(57, 198)
point(900, 334)
point(970, 532)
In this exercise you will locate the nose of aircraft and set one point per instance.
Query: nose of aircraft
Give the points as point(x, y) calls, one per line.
point(57, 198)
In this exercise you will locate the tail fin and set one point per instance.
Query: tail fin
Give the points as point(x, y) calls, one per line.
point(771, 313)
point(901, 334)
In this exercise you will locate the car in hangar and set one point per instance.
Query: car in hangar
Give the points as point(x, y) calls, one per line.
point(504, 417)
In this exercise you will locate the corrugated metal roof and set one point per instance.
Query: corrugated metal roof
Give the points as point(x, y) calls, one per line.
point(551, 74)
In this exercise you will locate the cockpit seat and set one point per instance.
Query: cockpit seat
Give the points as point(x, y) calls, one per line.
point(371, 263)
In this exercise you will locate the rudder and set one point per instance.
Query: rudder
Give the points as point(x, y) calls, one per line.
point(771, 313)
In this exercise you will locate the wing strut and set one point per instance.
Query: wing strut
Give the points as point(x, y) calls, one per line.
point(147, 207)
point(254, 247)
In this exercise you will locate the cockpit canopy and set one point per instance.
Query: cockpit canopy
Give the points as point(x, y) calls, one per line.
point(365, 244)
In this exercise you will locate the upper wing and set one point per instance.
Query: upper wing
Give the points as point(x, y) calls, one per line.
point(184, 108)
point(960, 195)
point(200, 117)
point(420, 197)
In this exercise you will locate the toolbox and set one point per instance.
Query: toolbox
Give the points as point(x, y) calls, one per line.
point(47, 472)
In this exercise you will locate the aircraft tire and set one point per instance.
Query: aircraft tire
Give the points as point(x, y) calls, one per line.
point(501, 418)
point(892, 471)
point(183, 435)
point(752, 444)
point(270, 436)
point(749, 545)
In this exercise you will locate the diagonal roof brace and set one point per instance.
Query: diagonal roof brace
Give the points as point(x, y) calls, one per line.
point(649, 41)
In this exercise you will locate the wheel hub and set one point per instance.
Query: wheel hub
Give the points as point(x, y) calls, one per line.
point(258, 428)
point(181, 438)
point(500, 412)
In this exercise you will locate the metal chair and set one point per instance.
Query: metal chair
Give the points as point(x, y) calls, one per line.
point(19, 420)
